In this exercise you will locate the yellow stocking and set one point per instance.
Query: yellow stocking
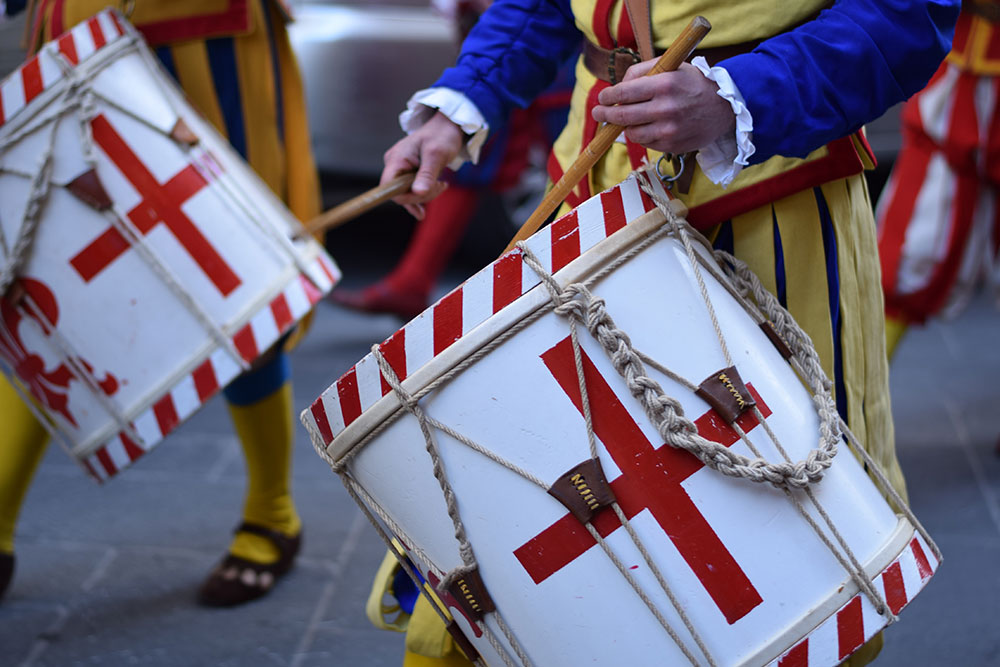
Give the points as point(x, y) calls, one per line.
point(453, 659)
point(22, 443)
point(894, 330)
point(265, 429)
point(428, 643)
point(866, 654)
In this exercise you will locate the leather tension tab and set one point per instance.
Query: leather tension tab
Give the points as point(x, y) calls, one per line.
point(462, 641)
point(776, 339)
point(182, 134)
point(470, 593)
point(726, 393)
point(87, 188)
point(583, 489)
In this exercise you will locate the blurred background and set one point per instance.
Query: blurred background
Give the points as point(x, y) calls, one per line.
point(106, 575)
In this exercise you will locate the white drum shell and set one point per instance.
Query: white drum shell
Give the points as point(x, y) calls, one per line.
point(250, 280)
point(509, 402)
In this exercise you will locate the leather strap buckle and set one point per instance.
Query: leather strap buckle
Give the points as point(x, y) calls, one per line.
point(612, 61)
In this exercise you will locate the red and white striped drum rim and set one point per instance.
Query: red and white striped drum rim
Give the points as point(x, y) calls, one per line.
point(451, 320)
point(40, 72)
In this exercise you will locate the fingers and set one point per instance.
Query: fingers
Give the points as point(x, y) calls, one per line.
point(416, 210)
point(638, 69)
point(674, 111)
point(635, 113)
point(434, 157)
point(428, 151)
point(402, 157)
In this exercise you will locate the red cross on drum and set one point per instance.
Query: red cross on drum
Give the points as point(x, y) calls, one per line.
point(159, 267)
point(493, 364)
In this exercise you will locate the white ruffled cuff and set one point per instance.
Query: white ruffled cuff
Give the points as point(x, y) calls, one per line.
point(723, 159)
point(458, 108)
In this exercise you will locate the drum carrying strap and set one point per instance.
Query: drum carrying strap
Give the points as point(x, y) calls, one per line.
point(642, 26)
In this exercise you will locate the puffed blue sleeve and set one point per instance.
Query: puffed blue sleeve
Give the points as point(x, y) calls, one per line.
point(512, 54)
point(828, 77)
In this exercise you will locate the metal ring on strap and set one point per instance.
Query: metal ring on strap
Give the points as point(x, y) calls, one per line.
point(668, 181)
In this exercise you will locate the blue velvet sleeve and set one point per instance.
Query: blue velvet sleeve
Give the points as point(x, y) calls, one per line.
point(512, 54)
point(828, 77)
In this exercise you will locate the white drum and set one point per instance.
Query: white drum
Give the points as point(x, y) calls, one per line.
point(143, 264)
point(730, 571)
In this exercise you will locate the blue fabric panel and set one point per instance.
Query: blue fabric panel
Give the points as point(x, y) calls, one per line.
point(724, 238)
point(166, 57)
point(404, 590)
point(833, 288)
point(779, 264)
point(222, 61)
point(260, 383)
point(279, 99)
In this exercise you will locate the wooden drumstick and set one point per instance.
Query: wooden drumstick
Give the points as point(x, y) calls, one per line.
point(354, 207)
point(678, 52)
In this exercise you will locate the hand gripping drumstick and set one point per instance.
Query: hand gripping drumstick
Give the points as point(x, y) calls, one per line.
point(364, 202)
point(678, 52)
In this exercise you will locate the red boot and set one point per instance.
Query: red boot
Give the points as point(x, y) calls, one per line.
point(381, 298)
point(406, 290)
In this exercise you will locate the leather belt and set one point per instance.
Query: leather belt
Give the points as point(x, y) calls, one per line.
point(610, 64)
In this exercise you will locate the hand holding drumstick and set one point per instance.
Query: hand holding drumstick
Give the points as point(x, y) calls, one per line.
point(671, 111)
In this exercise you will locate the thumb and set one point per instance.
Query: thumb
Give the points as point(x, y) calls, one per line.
point(427, 174)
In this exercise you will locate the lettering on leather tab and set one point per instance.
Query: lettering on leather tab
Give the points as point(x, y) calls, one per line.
point(776, 339)
point(470, 593)
point(726, 393)
point(583, 489)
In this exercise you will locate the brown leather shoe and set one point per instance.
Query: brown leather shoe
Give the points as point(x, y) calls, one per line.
point(6, 572)
point(380, 298)
point(237, 580)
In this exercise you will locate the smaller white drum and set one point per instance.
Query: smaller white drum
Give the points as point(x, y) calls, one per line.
point(530, 476)
point(144, 265)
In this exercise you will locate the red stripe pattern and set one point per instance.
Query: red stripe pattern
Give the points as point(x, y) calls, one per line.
point(843, 633)
point(444, 323)
point(938, 217)
point(212, 374)
point(23, 86)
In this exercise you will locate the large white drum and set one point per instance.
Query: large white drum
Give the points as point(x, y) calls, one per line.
point(143, 264)
point(730, 571)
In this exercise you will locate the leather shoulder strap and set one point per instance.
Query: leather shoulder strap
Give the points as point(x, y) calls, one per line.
point(642, 28)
